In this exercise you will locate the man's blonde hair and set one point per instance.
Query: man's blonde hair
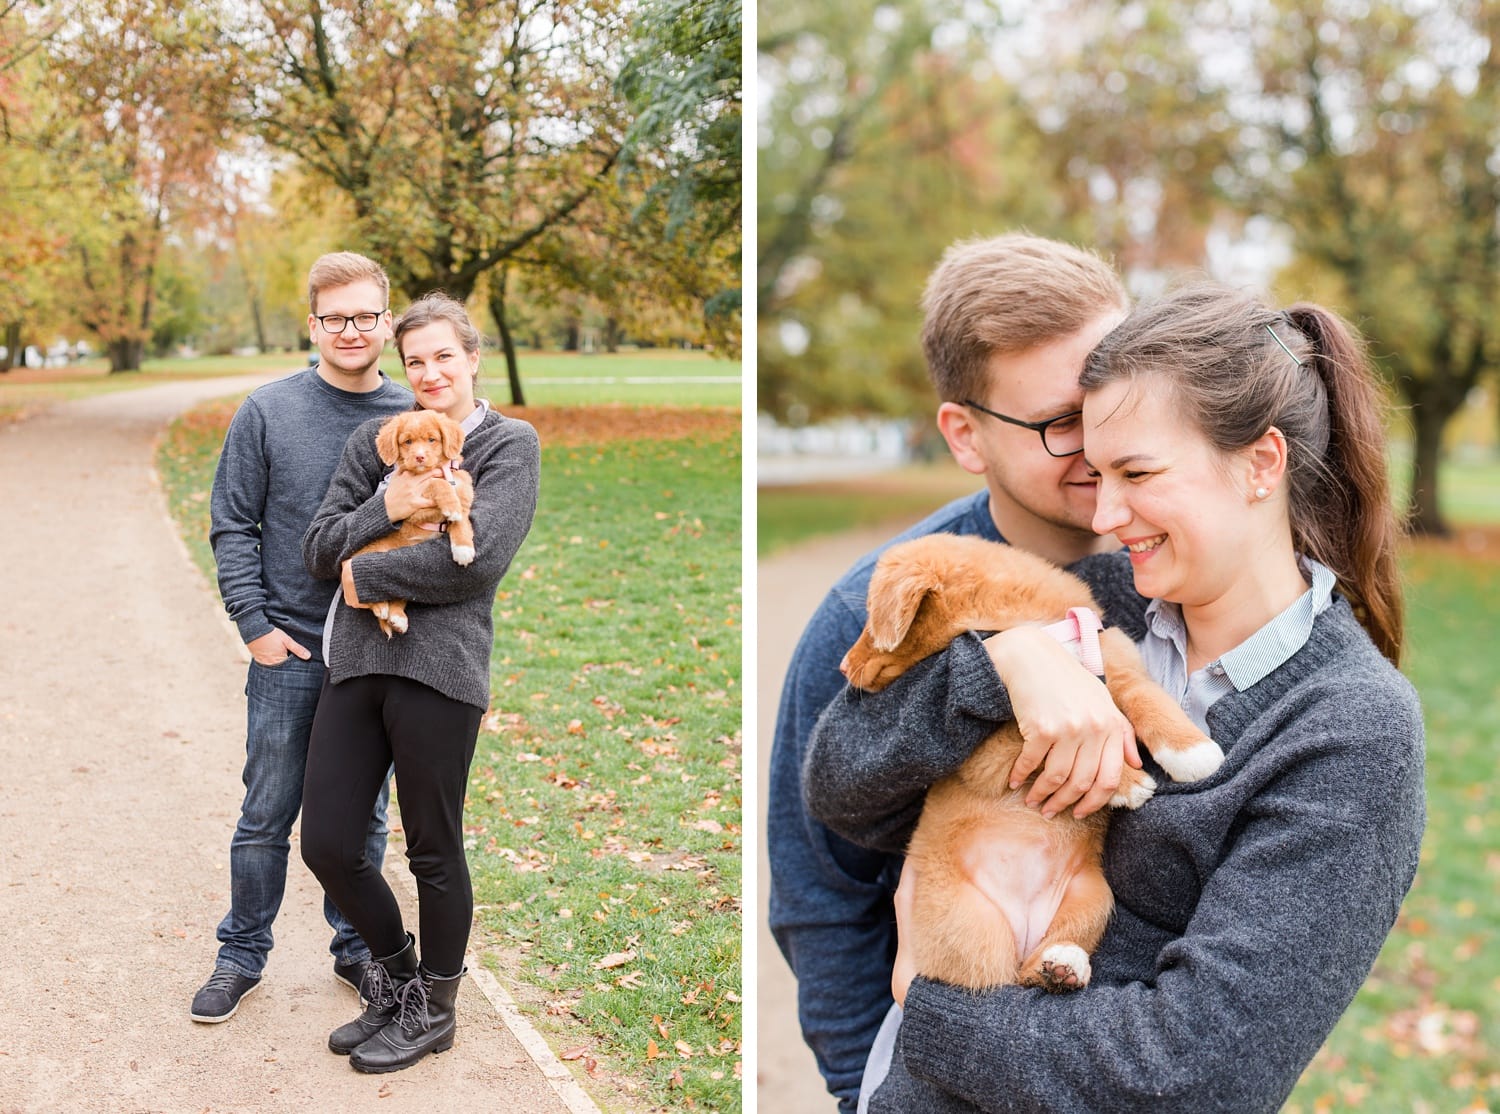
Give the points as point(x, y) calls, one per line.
point(340, 268)
point(1007, 294)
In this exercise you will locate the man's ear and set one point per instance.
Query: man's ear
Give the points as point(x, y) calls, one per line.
point(956, 424)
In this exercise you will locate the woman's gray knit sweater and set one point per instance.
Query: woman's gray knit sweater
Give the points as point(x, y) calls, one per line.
point(452, 630)
point(1249, 906)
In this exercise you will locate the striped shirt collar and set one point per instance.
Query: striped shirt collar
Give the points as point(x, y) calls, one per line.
point(1164, 648)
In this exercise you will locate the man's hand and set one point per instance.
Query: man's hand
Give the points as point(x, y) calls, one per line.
point(1067, 718)
point(403, 495)
point(906, 964)
point(275, 646)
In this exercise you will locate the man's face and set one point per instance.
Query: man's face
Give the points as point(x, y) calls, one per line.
point(349, 351)
point(1033, 386)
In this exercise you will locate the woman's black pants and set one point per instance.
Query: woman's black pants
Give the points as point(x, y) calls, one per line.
point(362, 727)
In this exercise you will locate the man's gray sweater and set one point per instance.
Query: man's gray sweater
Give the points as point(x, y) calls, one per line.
point(452, 628)
point(1249, 906)
point(281, 449)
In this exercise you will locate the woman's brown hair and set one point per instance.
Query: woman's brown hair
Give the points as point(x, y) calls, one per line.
point(431, 308)
point(1238, 367)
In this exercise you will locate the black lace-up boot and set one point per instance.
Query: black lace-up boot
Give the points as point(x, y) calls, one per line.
point(383, 980)
point(424, 1023)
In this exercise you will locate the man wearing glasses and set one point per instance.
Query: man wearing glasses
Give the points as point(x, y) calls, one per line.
point(279, 455)
point(1008, 323)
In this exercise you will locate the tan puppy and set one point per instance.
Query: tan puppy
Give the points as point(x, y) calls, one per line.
point(1006, 896)
point(419, 441)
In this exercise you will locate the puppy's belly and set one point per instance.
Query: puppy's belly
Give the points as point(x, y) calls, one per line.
point(1023, 874)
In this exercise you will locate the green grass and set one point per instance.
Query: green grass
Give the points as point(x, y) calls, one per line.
point(665, 377)
point(603, 817)
point(789, 514)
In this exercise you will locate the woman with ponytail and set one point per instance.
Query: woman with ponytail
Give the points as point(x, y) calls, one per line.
point(1240, 458)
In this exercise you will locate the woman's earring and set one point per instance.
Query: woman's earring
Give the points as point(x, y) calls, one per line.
point(1262, 492)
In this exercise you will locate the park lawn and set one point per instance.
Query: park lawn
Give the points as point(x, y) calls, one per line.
point(663, 377)
point(787, 514)
point(604, 813)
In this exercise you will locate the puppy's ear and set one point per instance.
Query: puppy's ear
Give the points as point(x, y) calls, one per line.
point(453, 439)
point(896, 593)
point(385, 440)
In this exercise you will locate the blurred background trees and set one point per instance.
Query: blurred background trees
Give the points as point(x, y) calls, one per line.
point(169, 169)
point(1343, 151)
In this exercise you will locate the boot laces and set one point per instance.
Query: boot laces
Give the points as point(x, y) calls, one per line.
point(412, 1015)
point(376, 987)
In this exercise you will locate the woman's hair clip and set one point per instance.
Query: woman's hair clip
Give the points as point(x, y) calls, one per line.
point(1284, 348)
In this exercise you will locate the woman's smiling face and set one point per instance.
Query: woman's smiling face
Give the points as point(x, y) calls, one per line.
point(1176, 502)
point(440, 372)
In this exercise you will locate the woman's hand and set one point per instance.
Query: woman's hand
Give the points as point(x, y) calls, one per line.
point(906, 964)
point(403, 495)
point(1067, 718)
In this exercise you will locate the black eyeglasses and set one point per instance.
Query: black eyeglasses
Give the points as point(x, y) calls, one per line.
point(1061, 436)
point(337, 322)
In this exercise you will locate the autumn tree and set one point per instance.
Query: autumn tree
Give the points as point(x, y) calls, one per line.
point(460, 134)
point(681, 172)
point(29, 201)
point(1371, 130)
point(886, 134)
point(138, 122)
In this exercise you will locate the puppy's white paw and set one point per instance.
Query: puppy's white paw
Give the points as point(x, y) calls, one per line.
point(1134, 796)
point(382, 609)
point(398, 622)
point(1066, 967)
point(1193, 764)
point(463, 554)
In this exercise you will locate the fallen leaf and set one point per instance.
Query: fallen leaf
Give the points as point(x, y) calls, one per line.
point(613, 959)
point(574, 1053)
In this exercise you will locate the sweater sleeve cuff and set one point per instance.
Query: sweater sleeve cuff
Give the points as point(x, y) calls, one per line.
point(369, 522)
point(975, 688)
point(253, 625)
point(938, 1025)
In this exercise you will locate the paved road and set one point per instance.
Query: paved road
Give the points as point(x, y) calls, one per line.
point(121, 742)
point(790, 585)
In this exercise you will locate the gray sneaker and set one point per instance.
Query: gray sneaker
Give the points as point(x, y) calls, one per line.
point(220, 996)
point(351, 974)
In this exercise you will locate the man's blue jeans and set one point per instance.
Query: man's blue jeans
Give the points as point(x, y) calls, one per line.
point(281, 702)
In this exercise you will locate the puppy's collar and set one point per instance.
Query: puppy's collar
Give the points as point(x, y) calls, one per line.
point(1079, 632)
point(448, 473)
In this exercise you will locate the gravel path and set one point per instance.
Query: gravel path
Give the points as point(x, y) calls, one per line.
point(121, 741)
point(790, 585)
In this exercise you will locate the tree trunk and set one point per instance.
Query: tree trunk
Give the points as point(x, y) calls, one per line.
point(612, 334)
point(12, 346)
point(125, 355)
point(571, 335)
point(507, 342)
point(260, 325)
point(1423, 515)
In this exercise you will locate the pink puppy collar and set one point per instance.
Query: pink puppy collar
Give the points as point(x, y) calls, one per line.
point(1079, 632)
